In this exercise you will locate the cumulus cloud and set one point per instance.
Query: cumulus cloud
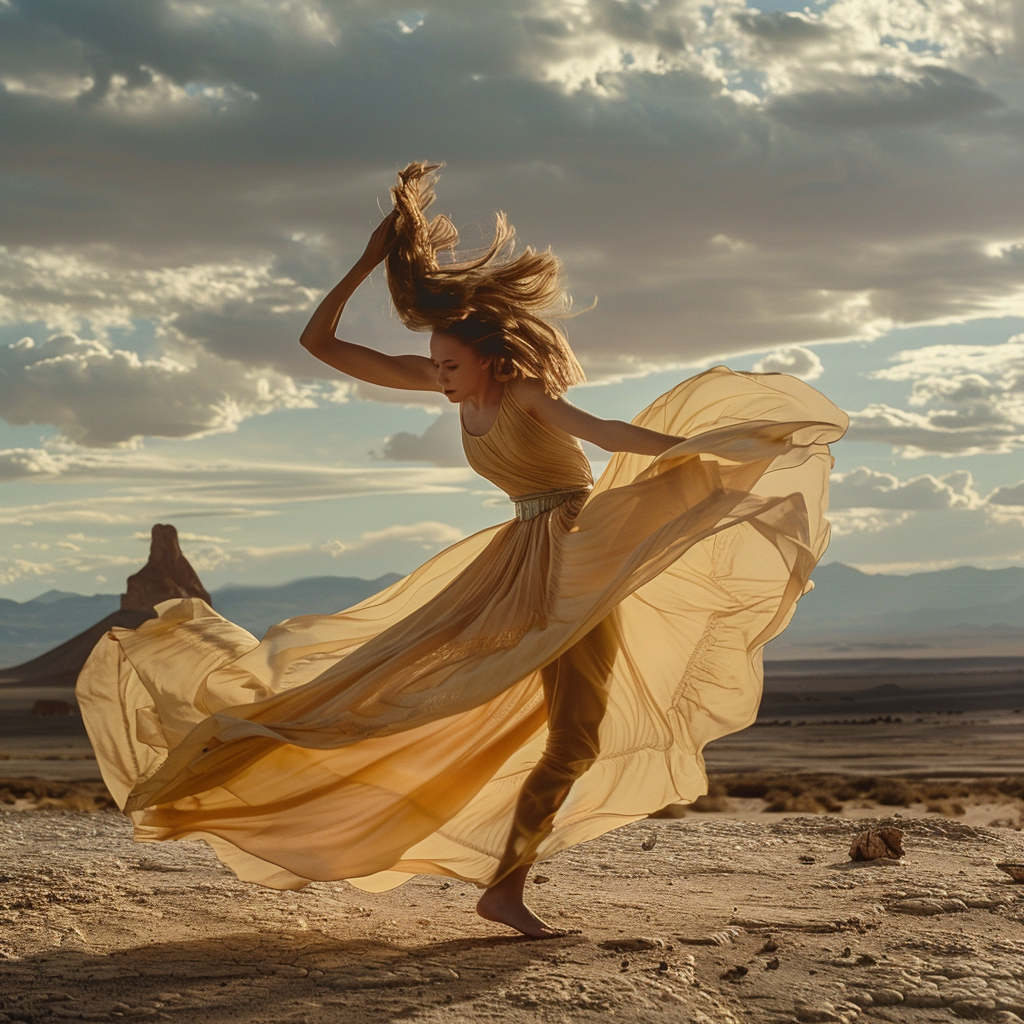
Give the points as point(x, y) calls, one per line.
point(1011, 496)
point(801, 362)
point(866, 520)
point(857, 121)
point(865, 488)
point(100, 395)
point(894, 525)
point(440, 443)
point(972, 397)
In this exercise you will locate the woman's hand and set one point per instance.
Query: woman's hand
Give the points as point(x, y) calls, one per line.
point(381, 242)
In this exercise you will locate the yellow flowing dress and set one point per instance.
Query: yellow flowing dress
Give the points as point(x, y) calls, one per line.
point(393, 738)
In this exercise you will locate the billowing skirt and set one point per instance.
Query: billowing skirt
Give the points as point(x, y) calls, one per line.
point(393, 738)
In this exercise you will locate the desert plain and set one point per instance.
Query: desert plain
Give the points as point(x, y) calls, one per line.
point(743, 907)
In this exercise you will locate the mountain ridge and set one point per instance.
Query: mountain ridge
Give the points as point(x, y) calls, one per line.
point(963, 611)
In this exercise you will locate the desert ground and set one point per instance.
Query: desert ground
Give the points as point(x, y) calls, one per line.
point(744, 907)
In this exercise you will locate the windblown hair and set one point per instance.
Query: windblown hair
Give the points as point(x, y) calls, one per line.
point(499, 303)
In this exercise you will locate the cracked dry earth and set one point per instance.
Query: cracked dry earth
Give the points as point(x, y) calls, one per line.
point(689, 920)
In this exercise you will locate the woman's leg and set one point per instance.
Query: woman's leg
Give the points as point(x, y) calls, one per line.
point(576, 693)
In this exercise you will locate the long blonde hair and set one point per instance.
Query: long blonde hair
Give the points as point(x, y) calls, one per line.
point(501, 304)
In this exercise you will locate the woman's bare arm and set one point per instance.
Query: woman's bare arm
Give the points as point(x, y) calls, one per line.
point(611, 435)
point(408, 373)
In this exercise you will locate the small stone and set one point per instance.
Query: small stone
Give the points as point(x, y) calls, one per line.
point(887, 997)
point(770, 946)
point(734, 973)
point(773, 964)
point(806, 858)
point(883, 843)
point(540, 879)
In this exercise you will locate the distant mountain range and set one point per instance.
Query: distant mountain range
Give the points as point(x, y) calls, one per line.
point(31, 628)
point(960, 612)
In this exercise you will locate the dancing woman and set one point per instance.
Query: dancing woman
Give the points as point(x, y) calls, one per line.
point(527, 689)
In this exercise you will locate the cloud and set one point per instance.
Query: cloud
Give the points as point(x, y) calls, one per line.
point(1011, 496)
point(173, 166)
point(139, 487)
point(426, 535)
point(103, 396)
point(894, 525)
point(801, 362)
point(973, 397)
point(865, 520)
point(865, 488)
point(440, 444)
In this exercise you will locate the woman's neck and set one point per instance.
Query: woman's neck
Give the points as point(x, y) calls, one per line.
point(485, 397)
point(480, 410)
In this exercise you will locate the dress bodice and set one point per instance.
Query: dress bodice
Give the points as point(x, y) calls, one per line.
point(522, 456)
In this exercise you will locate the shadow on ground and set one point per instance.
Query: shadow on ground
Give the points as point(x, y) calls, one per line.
point(272, 975)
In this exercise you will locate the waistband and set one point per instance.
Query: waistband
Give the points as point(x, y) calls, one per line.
point(530, 505)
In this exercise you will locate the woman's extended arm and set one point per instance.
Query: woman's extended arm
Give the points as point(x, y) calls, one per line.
point(611, 435)
point(409, 373)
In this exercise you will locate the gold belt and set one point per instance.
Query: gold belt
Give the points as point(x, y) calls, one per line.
point(530, 505)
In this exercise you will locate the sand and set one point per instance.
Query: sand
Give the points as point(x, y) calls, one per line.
point(702, 920)
point(740, 910)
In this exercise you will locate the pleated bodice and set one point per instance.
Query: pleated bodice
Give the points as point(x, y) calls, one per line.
point(522, 456)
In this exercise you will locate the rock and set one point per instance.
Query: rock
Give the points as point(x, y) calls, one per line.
point(1014, 870)
point(145, 864)
point(927, 907)
point(166, 575)
point(734, 973)
point(631, 945)
point(862, 999)
point(887, 997)
point(877, 844)
point(722, 938)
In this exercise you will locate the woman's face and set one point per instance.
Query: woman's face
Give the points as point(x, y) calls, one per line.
point(461, 371)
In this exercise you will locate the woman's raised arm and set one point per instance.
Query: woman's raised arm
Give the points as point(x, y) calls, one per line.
point(408, 373)
point(611, 435)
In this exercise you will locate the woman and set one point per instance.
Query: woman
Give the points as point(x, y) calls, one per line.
point(527, 689)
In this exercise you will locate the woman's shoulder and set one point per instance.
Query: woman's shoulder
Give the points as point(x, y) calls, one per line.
point(527, 391)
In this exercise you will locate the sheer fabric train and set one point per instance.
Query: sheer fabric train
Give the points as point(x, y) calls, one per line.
point(393, 738)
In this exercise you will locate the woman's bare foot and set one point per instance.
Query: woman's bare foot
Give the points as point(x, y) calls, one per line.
point(504, 903)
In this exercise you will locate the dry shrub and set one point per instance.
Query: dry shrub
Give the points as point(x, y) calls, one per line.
point(825, 792)
point(709, 804)
point(950, 808)
point(801, 803)
point(44, 795)
point(895, 793)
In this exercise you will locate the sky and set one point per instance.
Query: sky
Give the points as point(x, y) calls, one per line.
point(833, 190)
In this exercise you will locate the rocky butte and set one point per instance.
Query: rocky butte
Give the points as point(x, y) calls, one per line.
point(167, 574)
